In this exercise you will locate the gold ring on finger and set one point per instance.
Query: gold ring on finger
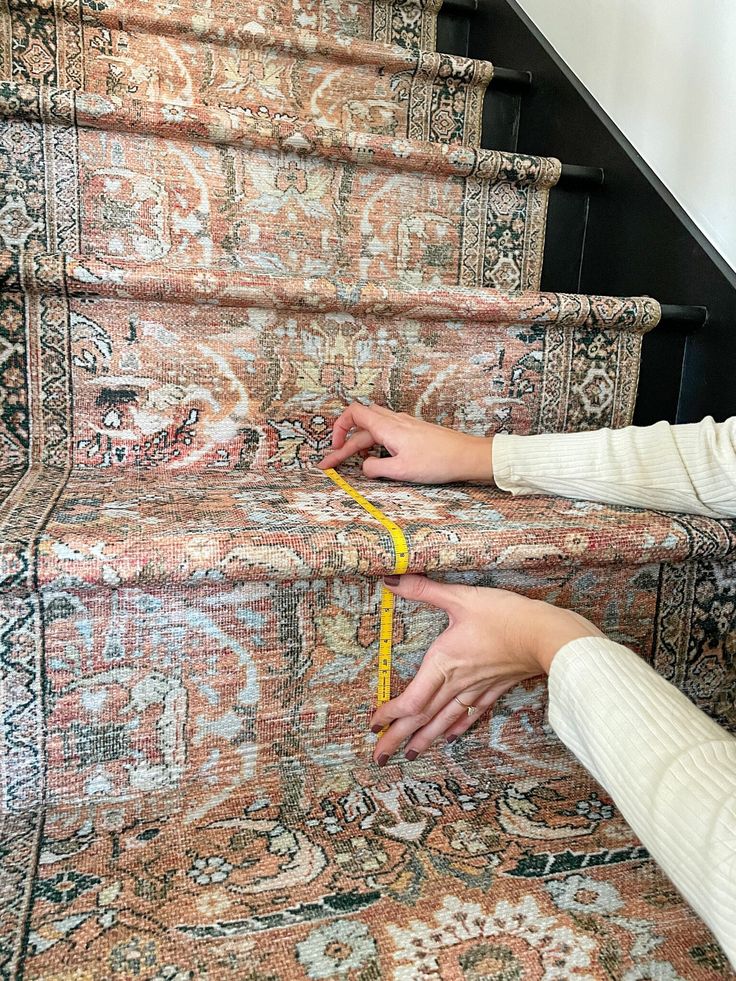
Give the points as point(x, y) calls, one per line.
point(471, 708)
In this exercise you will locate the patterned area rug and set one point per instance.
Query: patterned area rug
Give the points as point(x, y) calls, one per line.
point(219, 224)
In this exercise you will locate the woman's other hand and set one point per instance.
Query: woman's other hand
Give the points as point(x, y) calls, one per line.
point(494, 640)
point(421, 452)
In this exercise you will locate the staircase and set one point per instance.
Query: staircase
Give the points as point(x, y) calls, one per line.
point(221, 223)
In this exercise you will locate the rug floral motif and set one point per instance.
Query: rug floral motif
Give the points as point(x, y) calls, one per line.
point(220, 223)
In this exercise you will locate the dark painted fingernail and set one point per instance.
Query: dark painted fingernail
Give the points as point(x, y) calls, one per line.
point(376, 729)
point(452, 738)
point(411, 755)
point(391, 580)
point(383, 759)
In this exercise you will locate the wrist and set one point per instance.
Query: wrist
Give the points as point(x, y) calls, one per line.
point(553, 628)
point(477, 459)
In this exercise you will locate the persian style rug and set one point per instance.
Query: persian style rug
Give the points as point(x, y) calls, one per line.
point(219, 224)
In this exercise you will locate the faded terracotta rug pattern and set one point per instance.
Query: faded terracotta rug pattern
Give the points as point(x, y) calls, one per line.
point(220, 223)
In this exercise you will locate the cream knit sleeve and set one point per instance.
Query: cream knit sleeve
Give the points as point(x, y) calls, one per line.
point(670, 769)
point(689, 468)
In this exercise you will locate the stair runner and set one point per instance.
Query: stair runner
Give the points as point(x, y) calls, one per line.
point(218, 226)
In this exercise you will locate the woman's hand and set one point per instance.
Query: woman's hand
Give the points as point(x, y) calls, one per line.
point(494, 640)
point(420, 451)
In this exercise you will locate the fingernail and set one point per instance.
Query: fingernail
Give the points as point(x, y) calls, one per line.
point(375, 729)
point(452, 738)
point(411, 755)
point(391, 580)
point(383, 759)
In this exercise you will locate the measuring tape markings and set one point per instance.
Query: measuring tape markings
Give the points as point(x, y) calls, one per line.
point(401, 564)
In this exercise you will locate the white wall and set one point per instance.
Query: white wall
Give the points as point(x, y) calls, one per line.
point(665, 72)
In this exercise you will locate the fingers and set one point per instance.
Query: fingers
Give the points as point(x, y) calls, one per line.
point(406, 726)
point(414, 702)
point(361, 440)
point(381, 410)
point(453, 717)
point(342, 426)
point(449, 721)
point(358, 416)
point(445, 596)
point(370, 423)
point(483, 703)
point(388, 466)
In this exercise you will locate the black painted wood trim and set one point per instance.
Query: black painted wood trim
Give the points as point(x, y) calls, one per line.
point(635, 237)
point(459, 5)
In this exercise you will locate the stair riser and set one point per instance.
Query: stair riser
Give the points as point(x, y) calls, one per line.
point(409, 23)
point(178, 184)
point(179, 59)
point(247, 386)
point(229, 686)
point(164, 386)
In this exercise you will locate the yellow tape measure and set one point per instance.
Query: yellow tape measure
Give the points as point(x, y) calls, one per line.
point(401, 564)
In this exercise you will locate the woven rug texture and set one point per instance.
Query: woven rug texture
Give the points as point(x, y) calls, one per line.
point(220, 223)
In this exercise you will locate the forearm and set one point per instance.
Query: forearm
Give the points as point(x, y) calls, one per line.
point(688, 468)
point(670, 769)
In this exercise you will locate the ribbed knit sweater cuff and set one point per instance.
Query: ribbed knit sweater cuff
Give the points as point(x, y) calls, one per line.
point(670, 769)
point(690, 468)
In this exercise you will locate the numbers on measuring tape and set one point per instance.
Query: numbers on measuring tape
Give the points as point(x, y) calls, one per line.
point(401, 563)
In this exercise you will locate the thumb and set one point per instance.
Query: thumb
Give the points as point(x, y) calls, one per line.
point(442, 595)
